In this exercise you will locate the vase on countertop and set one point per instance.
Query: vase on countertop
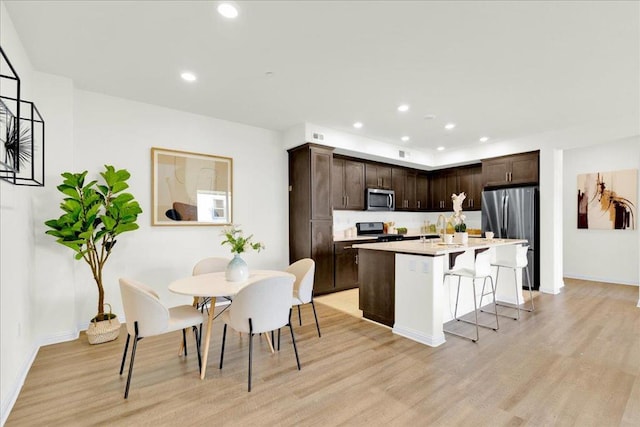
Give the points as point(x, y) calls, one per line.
point(461, 238)
point(237, 269)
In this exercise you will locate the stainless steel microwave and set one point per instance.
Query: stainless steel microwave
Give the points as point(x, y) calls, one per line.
point(380, 200)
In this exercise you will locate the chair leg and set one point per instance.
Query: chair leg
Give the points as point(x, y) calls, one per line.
point(184, 341)
point(495, 305)
point(526, 271)
point(299, 316)
point(133, 356)
point(475, 308)
point(293, 340)
point(515, 278)
point(250, 352)
point(197, 336)
point(498, 303)
point(124, 354)
point(224, 338)
point(279, 337)
point(455, 312)
point(316, 316)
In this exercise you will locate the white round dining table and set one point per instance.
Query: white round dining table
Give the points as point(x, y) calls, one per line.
point(213, 285)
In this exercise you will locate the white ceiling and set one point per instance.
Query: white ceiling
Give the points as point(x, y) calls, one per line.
point(495, 68)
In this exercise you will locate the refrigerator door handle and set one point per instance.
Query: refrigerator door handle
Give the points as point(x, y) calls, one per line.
point(505, 216)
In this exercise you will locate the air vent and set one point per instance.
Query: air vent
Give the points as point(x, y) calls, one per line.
point(318, 136)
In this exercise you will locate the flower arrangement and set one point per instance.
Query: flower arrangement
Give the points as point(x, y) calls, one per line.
point(458, 217)
point(235, 238)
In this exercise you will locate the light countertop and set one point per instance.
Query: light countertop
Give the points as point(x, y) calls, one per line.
point(434, 247)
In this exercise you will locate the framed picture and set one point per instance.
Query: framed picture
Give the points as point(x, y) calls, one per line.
point(608, 200)
point(191, 188)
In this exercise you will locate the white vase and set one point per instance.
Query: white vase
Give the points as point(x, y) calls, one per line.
point(461, 238)
point(237, 270)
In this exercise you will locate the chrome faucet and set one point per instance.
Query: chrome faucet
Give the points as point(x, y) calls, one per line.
point(444, 225)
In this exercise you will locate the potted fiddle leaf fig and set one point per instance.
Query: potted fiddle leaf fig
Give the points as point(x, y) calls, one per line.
point(94, 214)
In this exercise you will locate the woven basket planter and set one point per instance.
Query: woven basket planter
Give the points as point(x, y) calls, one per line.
point(104, 330)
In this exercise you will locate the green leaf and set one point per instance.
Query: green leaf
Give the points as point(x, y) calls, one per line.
point(109, 222)
point(123, 228)
point(123, 175)
point(119, 186)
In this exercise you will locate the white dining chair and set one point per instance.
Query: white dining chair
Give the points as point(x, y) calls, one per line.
point(146, 316)
point(304, 270)
point(209, 265)
point(260, 307)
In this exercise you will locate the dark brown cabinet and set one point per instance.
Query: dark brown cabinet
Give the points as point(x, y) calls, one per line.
point(377, 176)
point(422, 192)
point(443, 183)
point(403, 183)
point(310, 212)
point(348, 184)
point(470, 181)
point(346, 264)
point(376, 278)
point(511, 170)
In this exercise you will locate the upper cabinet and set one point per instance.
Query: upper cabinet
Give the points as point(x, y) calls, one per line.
point(404, 183)
point(422, 192)
point(348, 184)
point(511, 170)
point(470, 181)
point(444, 183)
point(378, 176)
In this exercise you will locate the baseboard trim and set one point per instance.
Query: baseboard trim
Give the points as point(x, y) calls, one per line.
point(430, 340)
point(12, 396)
point(600, 279)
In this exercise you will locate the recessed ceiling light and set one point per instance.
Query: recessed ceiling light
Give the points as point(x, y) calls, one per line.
point(403, 108)
point(449, 126)
point(189, 77)
point(440, 148)
point(357, 125)
point(484, 139)
point(405, 138)
point(227, 10)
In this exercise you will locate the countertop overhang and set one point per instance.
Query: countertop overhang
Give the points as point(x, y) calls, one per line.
point(435, 247)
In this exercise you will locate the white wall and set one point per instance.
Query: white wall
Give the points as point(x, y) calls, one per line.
point(601, 255)
point(17, 267)
point(114, 131)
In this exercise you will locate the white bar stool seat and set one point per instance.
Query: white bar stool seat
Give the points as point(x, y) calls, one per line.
point(481, 270)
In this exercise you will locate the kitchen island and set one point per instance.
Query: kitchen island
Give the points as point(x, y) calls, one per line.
point(402, 283)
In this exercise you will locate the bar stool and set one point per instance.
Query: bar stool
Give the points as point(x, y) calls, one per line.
point(517, 259)
point(481, 270)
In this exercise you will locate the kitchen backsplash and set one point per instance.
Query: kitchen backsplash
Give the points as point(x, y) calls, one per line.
point(343, 220)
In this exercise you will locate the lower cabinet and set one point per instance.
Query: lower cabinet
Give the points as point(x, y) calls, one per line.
point(376, 277)
point(322, 254)
point(345, 264)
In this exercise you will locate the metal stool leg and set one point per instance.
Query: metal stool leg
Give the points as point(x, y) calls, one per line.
point(526, 271)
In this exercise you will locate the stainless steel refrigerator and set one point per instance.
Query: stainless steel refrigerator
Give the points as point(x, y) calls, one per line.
point(514, 213)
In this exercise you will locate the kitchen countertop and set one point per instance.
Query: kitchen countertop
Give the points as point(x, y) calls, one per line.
point(435, 247)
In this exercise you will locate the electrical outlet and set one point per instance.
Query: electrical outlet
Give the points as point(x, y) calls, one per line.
point(412, 266)
point(318, 136)
point(425, 267)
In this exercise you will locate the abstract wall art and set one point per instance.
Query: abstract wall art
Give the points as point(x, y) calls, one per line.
point(608, 200)
point(191, 188)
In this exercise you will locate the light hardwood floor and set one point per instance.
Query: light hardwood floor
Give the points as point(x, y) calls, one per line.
point(574, 361)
